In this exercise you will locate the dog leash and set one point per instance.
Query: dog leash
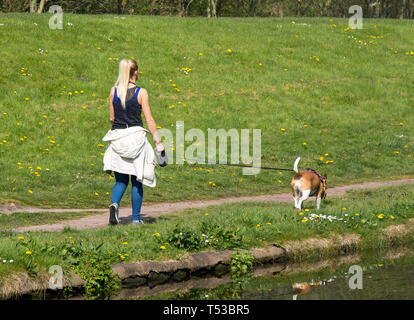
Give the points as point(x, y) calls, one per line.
point(239, 165)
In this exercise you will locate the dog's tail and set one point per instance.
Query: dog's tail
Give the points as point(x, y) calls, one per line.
point(295, 166)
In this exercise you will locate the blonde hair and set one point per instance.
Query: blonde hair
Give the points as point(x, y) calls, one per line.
point(127, 69)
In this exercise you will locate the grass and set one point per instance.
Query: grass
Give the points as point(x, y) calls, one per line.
point(22, 219)
point(315, 90)
point(253, 225)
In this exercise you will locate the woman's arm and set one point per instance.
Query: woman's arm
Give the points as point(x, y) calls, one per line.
point(143, 100)
point(111, 105)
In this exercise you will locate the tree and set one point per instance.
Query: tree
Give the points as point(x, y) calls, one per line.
point(253, 5)
point(34, 8)
point(211, 8)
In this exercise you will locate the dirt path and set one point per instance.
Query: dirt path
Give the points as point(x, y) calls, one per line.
point(155, 210)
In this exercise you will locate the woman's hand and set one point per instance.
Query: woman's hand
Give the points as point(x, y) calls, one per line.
point(159, 147)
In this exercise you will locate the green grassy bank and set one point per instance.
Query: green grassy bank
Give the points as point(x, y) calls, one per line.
point(339, 98)
point(365, 213)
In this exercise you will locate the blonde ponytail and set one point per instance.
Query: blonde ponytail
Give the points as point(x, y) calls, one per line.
point(127, 69)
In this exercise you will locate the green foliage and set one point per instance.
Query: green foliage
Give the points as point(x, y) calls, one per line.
point(205, 235)
point(184, 238)
point(95, 268)
point(241, 266)
point(26, 247)
point(222, 237)
point(86, 259)
point(224, 8)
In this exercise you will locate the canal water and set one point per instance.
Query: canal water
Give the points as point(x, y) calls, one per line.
point(379, 275)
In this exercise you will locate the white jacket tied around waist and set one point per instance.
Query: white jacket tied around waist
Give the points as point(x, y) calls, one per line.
point(129, 152)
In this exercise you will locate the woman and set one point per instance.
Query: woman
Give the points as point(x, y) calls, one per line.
point(129, 153)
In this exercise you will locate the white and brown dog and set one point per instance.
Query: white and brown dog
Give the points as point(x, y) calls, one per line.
point(307, 183)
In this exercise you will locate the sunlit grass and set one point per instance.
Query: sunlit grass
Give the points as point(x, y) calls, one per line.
point(354, 103)
point(256, 224)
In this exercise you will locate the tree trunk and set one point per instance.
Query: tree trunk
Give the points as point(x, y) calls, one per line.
point(186, 8)
point(119, 6)
point(214, 6)
point(402, 10)
point(280, 10)
point(41, 6)
point(253, 5)
point(33, 6)
point(211, 9)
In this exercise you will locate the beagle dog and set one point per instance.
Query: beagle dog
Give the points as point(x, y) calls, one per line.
point(307, 183)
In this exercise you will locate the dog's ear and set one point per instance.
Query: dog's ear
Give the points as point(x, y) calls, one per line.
point(325, 176)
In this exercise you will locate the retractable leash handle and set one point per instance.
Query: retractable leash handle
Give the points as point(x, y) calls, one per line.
point(162, 158)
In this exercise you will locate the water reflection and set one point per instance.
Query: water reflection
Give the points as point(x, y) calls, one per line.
point(386, 275)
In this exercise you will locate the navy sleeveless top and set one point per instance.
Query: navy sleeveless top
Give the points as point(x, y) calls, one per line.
point(131, 115)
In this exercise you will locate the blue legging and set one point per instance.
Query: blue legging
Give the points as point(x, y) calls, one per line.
point(136, 193)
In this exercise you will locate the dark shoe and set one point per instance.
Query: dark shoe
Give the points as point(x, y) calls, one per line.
point(114, 214)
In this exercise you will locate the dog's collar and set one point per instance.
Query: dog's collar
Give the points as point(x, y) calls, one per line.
point(321, 178)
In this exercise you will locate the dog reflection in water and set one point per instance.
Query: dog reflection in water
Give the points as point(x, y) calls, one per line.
point(304, 287)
